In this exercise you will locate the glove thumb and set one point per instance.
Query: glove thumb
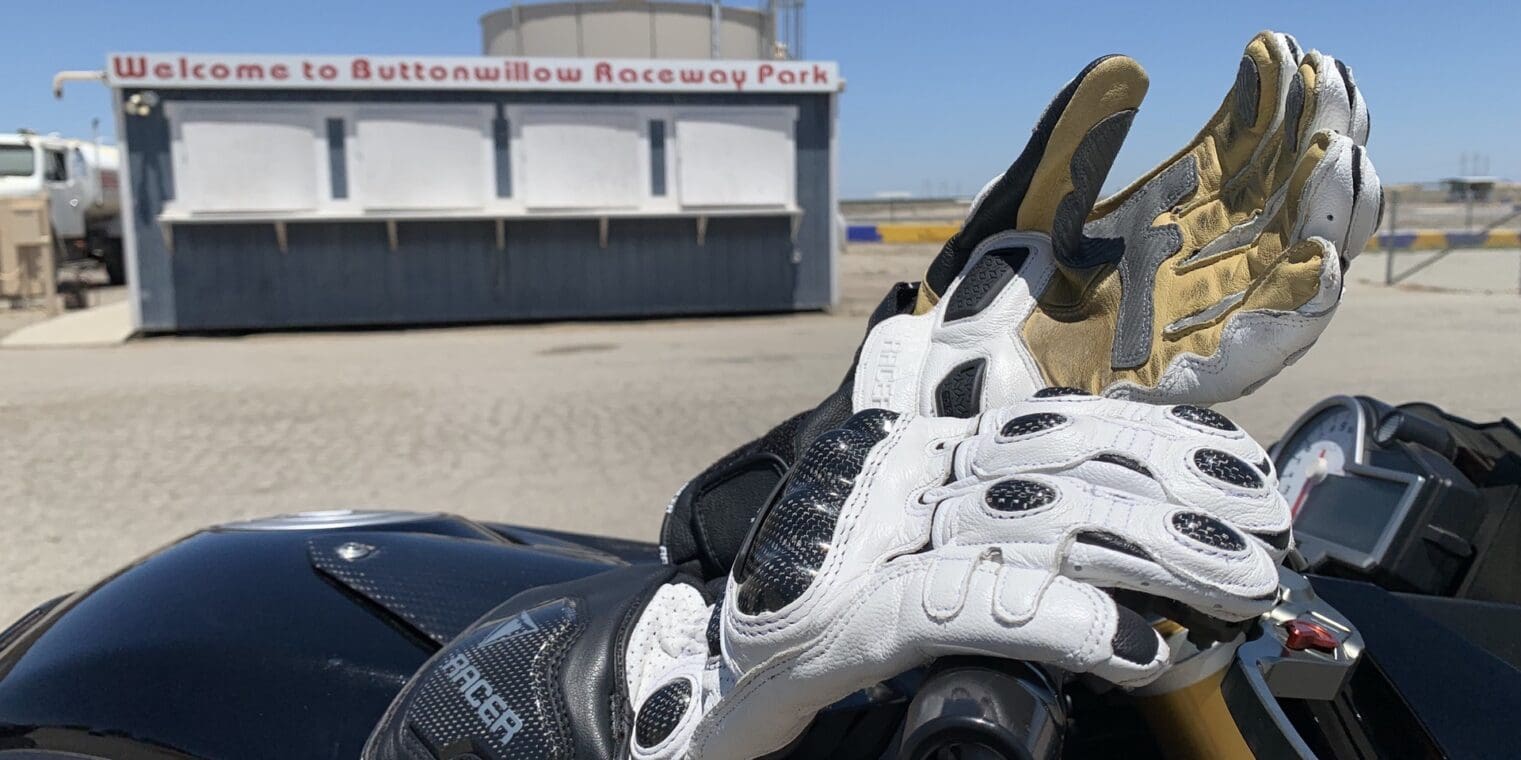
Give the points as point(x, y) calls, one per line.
point(1054, 183)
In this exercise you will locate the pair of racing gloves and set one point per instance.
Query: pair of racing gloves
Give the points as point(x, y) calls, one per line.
point(1023, 438)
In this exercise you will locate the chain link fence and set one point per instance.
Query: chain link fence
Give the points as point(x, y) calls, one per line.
point(1453, 239)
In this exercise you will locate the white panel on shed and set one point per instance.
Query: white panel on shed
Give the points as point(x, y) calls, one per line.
point(240, 157)
point(423, 157)
point(737, 157)
point(580, 158)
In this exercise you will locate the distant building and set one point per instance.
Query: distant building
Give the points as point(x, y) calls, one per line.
point(1476, 189)
point(609, 180)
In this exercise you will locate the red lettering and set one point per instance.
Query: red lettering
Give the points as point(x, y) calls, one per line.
point(250, 71)
point(306, 70)
point(568, 74)
point(279, 71)
point(766, 72)
point(134, 67)
point(220, 71)
point(487, 73)
point(327, 71)
point(667, 76)
point(438, 73)
point(820, 74)
point(603, 72)
point(461, 73)
point(628, 76)
point(719, 76)
point(163, 70)
point(360, 69)
point(387, 73)
point(739, 79)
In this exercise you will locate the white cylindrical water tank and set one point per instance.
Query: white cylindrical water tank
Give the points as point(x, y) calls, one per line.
point(628, 29)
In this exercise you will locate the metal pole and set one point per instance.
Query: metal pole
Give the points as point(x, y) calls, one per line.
point(714, 27)
point(769, 50)
point(802, 29)
point(517, 29)
point(1394, 217)
point(100, 179)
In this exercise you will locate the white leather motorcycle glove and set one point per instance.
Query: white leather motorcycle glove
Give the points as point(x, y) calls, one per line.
point(897, 540)
point(900, 539)
point(1196, 284)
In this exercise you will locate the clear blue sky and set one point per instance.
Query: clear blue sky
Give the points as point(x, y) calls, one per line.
point(941, 95)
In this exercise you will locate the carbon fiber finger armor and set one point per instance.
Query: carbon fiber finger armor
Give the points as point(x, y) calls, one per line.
point(660, 714)
point(1201, 416)
point(1227, 468)
point(794, 533)
point(1017, 495)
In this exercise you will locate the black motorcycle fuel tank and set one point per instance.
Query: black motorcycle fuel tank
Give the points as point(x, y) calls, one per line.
point(279, 638)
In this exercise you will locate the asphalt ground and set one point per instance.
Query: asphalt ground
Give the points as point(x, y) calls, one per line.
point(107, 454)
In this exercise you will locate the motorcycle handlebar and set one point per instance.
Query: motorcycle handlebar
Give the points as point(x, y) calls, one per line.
point(981, 709)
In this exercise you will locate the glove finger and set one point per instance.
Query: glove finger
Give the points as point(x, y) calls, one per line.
point(1238, 136)
point(948, 602)
point(1079, 154)
point(1339, 104)
point(1367, 207)
point(1185, 455)
point(1288, 40)
point(1231, 349)
point(1115, 540)
point(1341, 201)
point(1051, 186)
point(984, 600)
point(1280, 270)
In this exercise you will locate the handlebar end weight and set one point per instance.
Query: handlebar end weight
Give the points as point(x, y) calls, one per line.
point(982, 709)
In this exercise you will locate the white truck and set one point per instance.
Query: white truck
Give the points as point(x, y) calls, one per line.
point(81, 179)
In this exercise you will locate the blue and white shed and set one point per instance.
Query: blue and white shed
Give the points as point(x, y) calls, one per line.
point(285, 191)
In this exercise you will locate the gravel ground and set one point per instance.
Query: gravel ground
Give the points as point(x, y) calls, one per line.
point(106, 454)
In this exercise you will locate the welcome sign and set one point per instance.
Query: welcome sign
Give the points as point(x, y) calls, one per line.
point(185, 70)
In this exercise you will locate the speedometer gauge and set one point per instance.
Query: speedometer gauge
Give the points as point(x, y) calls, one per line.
point(1320, 445)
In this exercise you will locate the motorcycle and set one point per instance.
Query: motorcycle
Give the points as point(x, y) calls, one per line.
point(1397, 630)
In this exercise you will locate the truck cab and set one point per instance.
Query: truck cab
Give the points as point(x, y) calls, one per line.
point(81, 182)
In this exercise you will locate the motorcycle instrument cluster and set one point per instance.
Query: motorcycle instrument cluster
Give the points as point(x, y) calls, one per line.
point(1409, 497)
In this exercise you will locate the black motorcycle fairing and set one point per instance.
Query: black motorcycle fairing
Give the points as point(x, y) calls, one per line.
point(539, 676)
point(1461, 698)
point(231, 644)
point(435, 585)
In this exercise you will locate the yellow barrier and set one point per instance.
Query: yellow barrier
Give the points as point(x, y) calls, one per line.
point(916, 233)
point(1503, 239)
point(1414, 240)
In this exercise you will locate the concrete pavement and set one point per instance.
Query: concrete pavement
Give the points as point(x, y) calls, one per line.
point(108, 453)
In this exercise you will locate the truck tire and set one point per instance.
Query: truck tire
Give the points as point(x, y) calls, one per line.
point(115, 262)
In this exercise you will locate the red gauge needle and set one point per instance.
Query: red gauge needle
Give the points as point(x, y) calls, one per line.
point(1309, 483)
